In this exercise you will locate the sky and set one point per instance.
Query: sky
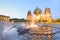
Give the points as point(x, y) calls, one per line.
point(19, 8)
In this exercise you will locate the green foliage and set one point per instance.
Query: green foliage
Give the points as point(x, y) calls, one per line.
point(19, 20)
point(58, 20)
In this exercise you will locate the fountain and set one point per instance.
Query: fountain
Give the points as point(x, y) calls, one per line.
point(37, 32)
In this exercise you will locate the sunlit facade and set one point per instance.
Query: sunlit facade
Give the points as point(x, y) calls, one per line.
point(29, 16)
point(39, 16)
point(4, 18)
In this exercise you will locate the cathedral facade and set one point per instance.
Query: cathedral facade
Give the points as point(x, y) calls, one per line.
point(39, 16)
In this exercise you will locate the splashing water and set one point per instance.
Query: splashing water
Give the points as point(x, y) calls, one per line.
point(32, 23)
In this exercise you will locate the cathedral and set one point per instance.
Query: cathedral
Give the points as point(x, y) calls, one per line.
point(39, 16)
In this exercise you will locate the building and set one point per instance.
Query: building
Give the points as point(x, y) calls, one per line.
point(11, 20)
point(4, 18)
point(29, 16)
point(39, 16)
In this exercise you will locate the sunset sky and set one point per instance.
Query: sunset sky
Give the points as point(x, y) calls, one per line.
point(19, 8)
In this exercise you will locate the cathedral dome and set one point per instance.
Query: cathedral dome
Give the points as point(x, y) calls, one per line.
point(37, 11)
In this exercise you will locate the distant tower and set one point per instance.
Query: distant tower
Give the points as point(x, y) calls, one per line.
point(48, 15)
point(29, 16)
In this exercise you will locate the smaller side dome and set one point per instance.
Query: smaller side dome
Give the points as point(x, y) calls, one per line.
point(47, 11)
point(29, 12)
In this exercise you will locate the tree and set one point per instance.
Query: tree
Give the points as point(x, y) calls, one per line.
point(58, 20)
point(19, 20)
